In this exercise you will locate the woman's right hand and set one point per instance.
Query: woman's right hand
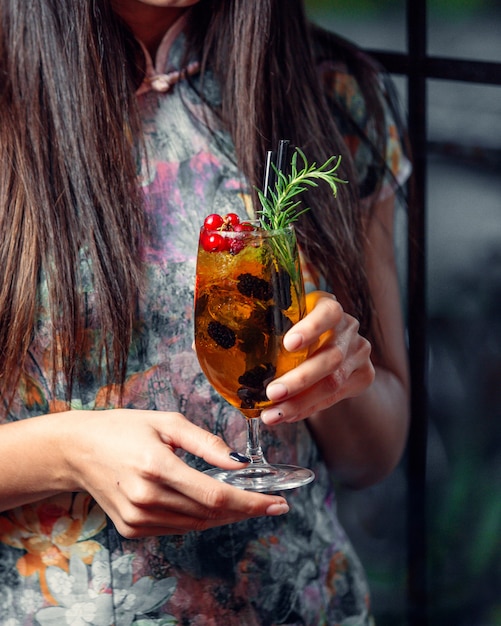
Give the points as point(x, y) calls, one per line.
point(126, 459)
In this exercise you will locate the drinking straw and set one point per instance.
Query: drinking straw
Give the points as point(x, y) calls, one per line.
point(275, 162)
point(269, 174)
point(283, 151)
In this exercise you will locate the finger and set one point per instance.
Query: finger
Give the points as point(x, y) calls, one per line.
point(179, 432)
point(346, 344)
point(174, 519)
point(216, 496)
point(324, 361)
point(171, 519)
point(175, 485)
point(316, 328)
point(327, 392)
point(308, 388)
point(190, 501)
point(312, 298)
point(176, 476)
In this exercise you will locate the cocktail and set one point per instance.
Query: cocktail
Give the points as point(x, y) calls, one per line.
point(249, 292)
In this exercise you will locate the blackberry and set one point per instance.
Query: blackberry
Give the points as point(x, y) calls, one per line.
point(251, 340)
point(281, 282)
point(254, 287)
point(221, 334)
point(258, 375)
point(278, 323)
point(247, 397)
point(254, 382)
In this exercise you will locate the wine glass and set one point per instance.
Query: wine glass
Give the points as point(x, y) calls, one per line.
point(249, 292)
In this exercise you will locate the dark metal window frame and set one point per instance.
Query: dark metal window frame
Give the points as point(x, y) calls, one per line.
point(419, 68)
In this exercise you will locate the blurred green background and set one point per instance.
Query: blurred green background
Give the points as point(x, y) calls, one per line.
point(464, 325)
point(439, 6)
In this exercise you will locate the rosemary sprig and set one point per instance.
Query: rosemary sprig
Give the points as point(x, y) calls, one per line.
point(279, 206)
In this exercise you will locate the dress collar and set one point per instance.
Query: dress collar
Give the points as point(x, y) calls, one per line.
point(158, 76)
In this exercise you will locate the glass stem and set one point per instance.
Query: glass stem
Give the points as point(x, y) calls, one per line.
point(254, 450)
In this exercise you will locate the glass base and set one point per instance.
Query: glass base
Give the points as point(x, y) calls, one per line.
point(264, 477)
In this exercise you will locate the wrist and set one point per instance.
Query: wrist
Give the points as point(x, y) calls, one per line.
point(68, 430)
point(35, 459)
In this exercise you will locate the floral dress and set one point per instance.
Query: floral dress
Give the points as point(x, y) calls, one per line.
point(61, 559)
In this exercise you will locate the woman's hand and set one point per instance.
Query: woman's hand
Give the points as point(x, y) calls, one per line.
point(338, 365)
point(147, 489)
point(126, 459)
point(358, 410)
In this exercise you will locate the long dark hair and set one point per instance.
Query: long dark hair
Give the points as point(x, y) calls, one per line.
point(69, 136)
point(67, 180)
point(266, 61)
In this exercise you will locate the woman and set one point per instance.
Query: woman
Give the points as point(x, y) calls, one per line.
point(124, 123)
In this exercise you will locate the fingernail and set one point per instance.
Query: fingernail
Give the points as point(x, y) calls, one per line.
point(293, 341)
point(278, 509)
point(272, 416)
point(276, 391)
point(236, 456)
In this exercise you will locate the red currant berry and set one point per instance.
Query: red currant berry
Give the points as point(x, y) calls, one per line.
point(213, 221)
point(213, 242)
point(243, 227)
point(231, 220)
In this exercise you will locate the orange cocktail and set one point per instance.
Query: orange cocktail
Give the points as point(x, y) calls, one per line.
point(249, 293)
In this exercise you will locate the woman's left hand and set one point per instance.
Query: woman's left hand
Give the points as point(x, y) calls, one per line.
point(338, 364)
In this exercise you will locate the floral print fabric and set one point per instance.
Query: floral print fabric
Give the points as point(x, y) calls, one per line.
point(61, 560)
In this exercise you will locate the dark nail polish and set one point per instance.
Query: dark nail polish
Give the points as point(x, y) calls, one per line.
point(236, 456)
